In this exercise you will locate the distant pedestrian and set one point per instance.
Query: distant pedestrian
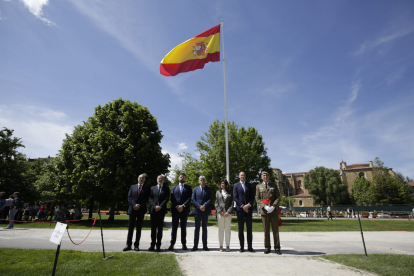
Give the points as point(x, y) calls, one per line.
point(2, 205)
point(6, 209)
point(15, 206)
point(328, 210)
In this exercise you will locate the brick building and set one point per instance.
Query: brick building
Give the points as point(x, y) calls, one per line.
point(294, 183)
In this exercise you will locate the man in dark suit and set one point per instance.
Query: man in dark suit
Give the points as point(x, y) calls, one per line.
point(201, 199)
point(243, 195)
point(180, 207)
point(137, 198)
point(158, 199)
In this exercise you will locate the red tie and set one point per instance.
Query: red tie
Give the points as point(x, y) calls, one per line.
point(139, 189)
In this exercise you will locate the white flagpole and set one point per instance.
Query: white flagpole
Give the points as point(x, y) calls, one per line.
point(225, 108)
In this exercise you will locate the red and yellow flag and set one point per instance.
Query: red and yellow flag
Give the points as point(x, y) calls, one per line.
point(193, 54)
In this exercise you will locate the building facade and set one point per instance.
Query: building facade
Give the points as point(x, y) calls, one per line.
point(293, 184)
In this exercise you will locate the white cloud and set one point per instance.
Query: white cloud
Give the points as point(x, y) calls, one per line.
point(353, 136)
point(41, 131)
point(182, 146)
point(401, 26)
point(35, 7)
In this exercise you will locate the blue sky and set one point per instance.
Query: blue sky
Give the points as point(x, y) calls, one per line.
point(322, 81)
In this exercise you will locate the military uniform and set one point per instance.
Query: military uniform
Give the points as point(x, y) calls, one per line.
point(270, 197)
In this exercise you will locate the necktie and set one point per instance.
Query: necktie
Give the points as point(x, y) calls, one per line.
point(139, 189)
point(181, 188)
point(266, 186)
point(244, 189)
point(159, 190)
point(202, 192)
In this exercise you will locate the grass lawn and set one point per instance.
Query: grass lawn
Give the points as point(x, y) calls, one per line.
point(120, 223)
point(321, 225)
point(40, 262)
point(382, 264)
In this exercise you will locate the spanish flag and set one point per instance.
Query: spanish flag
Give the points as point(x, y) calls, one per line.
point(193, 54)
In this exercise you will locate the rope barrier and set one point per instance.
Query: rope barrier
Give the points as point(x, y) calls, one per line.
point(387, 226)
point(67, 230)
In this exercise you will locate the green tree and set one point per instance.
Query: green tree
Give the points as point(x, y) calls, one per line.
point(247, 152)
point(284, 201)
point(387, 188)
point(326, 187)
point(15, 172)
point(105, 155)
point(362, 191)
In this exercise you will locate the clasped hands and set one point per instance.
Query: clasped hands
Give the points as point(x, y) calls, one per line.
point(202, 208)
point(136, 207)
point(246, 208)
point(157, 208)
point(224, 214)
point(180, 208)
point(269, 209)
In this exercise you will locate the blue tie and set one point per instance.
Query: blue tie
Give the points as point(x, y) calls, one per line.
point(244, 189)
point(181, 189)
point(159, 190)
point(202, 192)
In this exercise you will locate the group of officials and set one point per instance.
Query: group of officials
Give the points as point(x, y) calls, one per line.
point(267, 196)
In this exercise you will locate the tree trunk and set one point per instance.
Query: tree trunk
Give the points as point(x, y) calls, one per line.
point(91, 204)
point(112, 212)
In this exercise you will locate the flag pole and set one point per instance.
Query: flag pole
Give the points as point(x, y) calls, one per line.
point(225, 109)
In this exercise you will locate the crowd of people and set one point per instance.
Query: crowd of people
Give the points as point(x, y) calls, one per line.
point(266, 195)
point(13, 209)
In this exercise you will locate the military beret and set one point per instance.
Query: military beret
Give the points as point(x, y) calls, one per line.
point(264, 172)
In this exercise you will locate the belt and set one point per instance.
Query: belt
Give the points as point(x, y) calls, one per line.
point(267, 201)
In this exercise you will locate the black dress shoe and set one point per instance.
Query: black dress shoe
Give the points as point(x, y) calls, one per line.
point(267, 251)
point(241, 250)
point(151, 248)
point(158, 249)
point(127, 248)
point(251, 250)
point(278, 252)
point(185, 247)
point(136, 248)
point(171, 248)
point(206, 248)
point(194, 249)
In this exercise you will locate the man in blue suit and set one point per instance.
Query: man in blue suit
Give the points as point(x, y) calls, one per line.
point(137, 198)
point(243, 195)
point(201, 199)
point(180, 207)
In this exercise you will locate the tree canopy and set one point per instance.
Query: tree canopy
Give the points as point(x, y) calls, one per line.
point(387, 188)
point(247, 152)
point(362, 191)
point(326, 187)
point(16, 174)
point(104, 156)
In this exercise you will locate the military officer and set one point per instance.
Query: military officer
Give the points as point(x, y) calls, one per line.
point(268, 197)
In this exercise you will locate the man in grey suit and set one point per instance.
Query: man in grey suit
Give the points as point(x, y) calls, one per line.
point(224, 210)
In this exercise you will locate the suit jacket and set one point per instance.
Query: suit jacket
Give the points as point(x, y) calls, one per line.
point(225, 205)
point(271, 193)
point(181, 199)
point(142, 199)
point(199, 200)
point(243, 198)
point(160, 199)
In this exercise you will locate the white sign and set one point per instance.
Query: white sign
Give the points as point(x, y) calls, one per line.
point(58, 233)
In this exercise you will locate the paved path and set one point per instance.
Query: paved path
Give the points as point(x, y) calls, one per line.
point(297, 248)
